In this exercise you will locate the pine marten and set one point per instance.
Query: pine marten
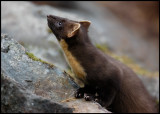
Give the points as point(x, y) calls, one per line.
point(106, 80)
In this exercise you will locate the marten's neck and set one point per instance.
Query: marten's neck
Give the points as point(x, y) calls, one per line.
point(74, 48)
point(81, 39)
point(80, 45)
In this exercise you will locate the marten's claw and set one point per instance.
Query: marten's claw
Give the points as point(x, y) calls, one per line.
point(79, 93)
point(96, 100)
point(88, 97)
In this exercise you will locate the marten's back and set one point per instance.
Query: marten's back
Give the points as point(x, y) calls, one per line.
point(133, 97)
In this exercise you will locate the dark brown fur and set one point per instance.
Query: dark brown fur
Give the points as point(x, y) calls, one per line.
point(119, 88)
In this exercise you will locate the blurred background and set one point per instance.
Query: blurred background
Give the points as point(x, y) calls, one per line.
point(128, 31)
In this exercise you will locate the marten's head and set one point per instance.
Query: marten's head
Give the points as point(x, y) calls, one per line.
point(64, 28)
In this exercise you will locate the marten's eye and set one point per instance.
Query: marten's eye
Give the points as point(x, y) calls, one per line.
point(60, 23)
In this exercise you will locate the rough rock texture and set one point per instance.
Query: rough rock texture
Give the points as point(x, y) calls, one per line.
point(16, 98)
point(34, 86)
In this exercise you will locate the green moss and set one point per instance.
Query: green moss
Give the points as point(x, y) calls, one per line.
point(103, 47)
point(128, 61)
point(157, 102)
point(31, 55)
point(138, 69)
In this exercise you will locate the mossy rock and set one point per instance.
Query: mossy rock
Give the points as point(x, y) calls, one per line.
point(33, 57)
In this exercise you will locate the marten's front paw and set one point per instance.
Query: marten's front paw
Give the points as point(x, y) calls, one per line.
point(88, 97)
point(79, 93)
point(97, 100)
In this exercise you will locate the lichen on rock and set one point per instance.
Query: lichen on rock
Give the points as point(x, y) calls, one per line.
point(29, 84)
point(31, 55)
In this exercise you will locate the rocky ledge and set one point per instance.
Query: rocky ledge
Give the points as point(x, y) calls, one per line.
point(29, 84)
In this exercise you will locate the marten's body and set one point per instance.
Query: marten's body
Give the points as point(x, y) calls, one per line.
point(118, 87)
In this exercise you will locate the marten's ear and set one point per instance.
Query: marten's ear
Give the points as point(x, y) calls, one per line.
point(73, 29)
point(86, 24)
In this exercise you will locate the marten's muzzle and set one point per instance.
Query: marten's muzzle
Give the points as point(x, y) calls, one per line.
point(51, 20)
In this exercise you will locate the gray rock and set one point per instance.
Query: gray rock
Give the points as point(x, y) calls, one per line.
point(15, 98)
point(28, 85)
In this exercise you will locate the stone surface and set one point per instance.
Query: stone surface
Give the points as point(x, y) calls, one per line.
point(15, 98)
point(33, 86)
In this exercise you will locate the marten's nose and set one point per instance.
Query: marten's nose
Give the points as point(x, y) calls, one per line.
point(48, 16)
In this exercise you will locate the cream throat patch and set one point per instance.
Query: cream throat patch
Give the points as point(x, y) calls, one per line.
point(73, 62)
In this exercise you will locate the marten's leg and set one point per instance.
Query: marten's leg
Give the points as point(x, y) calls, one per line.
point(106, 96)
point(103, 96)
point(80, 92)
point(87, 92)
